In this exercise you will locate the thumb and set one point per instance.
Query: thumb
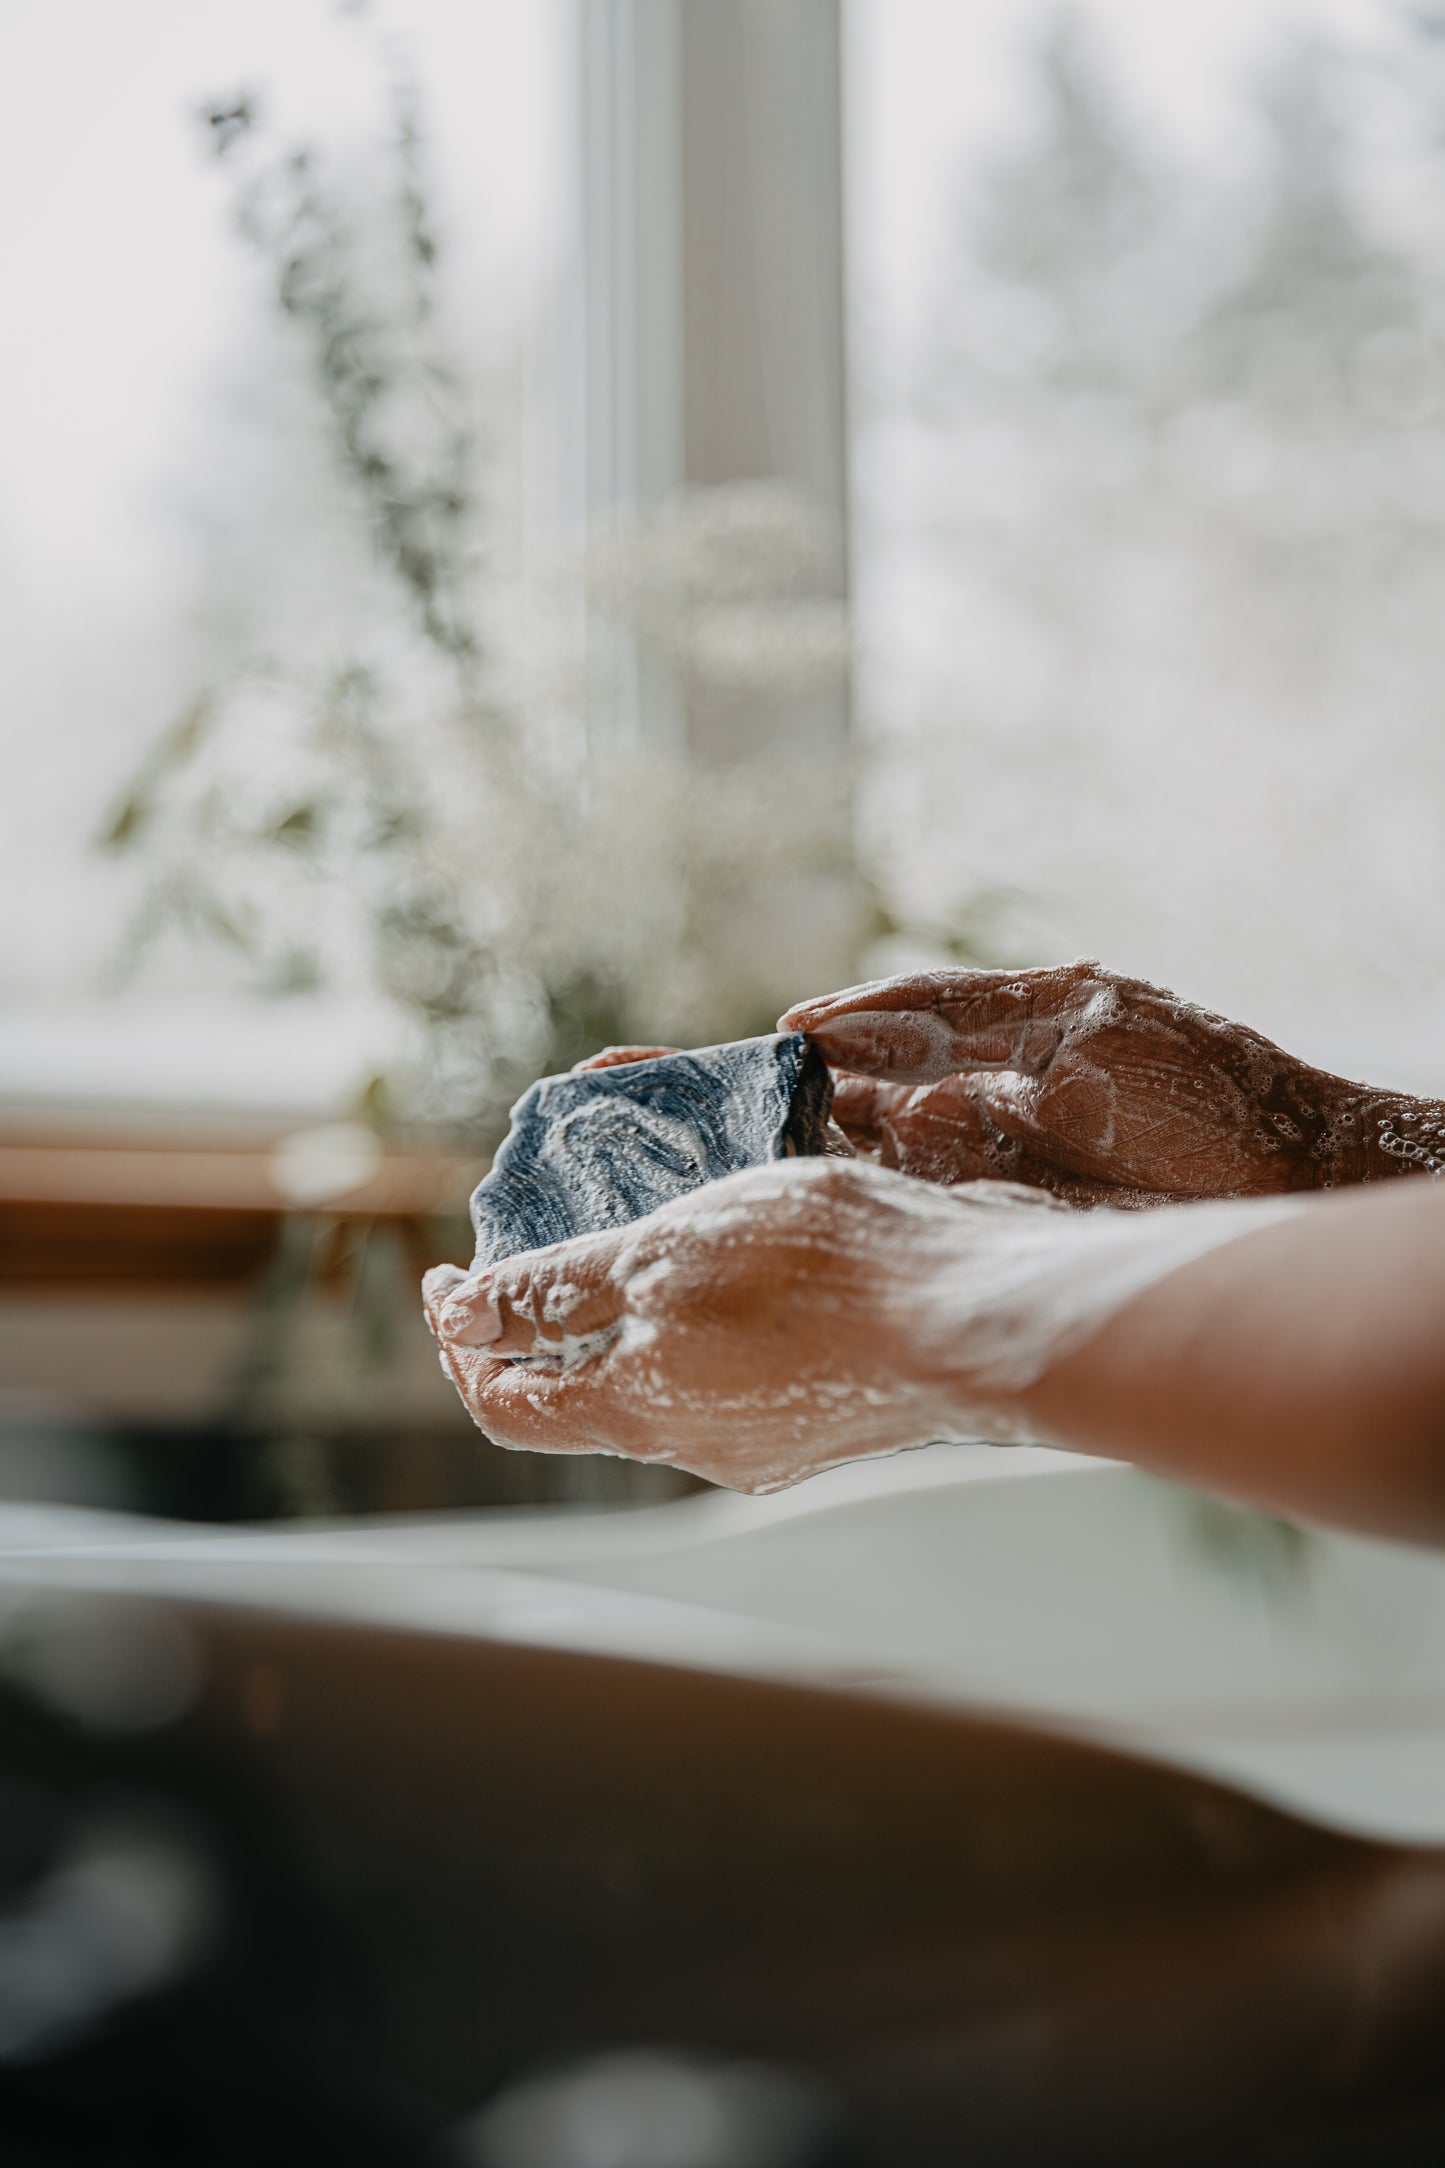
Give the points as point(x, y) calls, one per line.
point(921, 1028)
point(887, 1028)
point(908, 1046)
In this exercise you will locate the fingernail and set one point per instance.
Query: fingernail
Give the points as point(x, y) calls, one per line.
point(470, 1324)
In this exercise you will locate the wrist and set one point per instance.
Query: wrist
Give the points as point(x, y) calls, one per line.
point(1375, 1136)
point(1014, 1298)
point(1001, 1276)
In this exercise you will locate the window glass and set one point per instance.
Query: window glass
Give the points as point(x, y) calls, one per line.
point(1150, 496)
point(180, 522)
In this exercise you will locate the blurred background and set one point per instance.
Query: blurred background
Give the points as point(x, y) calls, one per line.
point(521, 528)
point(526, 526)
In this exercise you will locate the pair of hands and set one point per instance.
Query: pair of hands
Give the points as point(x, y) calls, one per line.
point(767, 1325)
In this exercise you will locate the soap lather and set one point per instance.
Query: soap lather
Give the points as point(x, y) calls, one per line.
point(602, 1147)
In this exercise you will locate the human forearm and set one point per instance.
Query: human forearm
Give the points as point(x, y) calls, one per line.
point(1285, 1349)
point(1375, 1135)
point(1301, 1367)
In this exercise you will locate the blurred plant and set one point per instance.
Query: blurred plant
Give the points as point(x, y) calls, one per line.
point(394, 402)
point(378, 803)
point(401, 817)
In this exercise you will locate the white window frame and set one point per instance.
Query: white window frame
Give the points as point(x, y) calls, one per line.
point(712, 243)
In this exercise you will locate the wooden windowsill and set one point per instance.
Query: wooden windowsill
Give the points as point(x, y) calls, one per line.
point(105, 1213)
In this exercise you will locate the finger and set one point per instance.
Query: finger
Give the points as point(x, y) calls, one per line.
point(936, 1133)
point(923, 1027)
point(948, 1134)
point(907, 992)
point(594, 1407)
point(613, 1057)
point(440, 1282)
point(449, 1298)
point(1099, 1151)
point(861, 1105)
point(886, 1028)
point(545, 1299)
point(540, 1410)
point(528, 1407)
point(1071, 1118)
point(458, 1308)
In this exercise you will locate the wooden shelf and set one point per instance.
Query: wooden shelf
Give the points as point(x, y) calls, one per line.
point(104, 1214)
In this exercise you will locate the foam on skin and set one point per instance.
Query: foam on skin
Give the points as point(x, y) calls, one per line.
point(809, 1312)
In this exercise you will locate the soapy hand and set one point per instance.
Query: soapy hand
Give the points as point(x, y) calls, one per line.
point(1098, 1088)
point(810, 1311)
point(755, 1331)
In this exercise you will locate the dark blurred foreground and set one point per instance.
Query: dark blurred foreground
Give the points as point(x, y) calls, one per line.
point(180, 1336)
point(288, 1888)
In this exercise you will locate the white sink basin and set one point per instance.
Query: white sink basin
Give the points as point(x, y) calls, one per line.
point(1022, 1581)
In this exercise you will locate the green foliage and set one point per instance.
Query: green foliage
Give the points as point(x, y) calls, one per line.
point(172, 750)
point(375, 365)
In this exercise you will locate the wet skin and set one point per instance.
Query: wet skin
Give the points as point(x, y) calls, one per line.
point(769, 1325)
point(1300, 1366)
point(1099, 1089)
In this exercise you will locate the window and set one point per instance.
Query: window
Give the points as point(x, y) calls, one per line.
point(172, 517)
point(1150, 497)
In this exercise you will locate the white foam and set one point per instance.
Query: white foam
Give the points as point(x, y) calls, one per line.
point(1005, 1306)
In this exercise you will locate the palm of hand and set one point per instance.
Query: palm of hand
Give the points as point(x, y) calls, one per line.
point(1077, 1080)
point(629, 1341)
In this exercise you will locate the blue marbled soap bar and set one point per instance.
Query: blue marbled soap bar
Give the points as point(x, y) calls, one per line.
point(600, 1149)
